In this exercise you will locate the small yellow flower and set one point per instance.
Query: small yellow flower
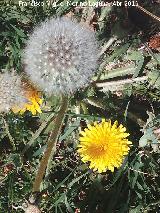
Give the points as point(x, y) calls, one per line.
point(33, 100)
point(104, 145)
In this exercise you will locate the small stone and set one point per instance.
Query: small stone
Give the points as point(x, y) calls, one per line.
point(63, 61)
point(67, 47)
point(32, 209)
point(67, 56)
point(61, 54)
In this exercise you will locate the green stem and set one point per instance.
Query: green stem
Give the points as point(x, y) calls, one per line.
point(38, 132)
point(51, 145)
point(8, 134)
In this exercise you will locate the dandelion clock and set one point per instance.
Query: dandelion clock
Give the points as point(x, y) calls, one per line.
point(61, 56)
point(18, 95)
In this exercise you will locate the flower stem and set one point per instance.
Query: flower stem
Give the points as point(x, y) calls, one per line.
point(38, 132)
point(51, 145)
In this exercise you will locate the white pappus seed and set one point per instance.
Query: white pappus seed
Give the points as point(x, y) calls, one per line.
point(11, 91)
point(71, 52)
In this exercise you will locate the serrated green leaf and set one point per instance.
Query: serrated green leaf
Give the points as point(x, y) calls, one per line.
point(136, 210)
point(154, 78)
point(118, 52)
point(148, 138)
point(70, 129)
point(129, 70)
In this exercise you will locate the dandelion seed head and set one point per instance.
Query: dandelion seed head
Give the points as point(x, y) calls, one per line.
point(11, 93)
point(65, 51)
point(18, 96)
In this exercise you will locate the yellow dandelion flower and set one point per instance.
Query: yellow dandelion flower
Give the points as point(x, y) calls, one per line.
point(104, 145)
point(33, 100)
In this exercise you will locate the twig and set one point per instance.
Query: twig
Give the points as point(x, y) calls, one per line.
point(108, 44)
point(51, 146)
point(144, 173)
point(148, 13)
point(113, 85)
point(18, 207)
